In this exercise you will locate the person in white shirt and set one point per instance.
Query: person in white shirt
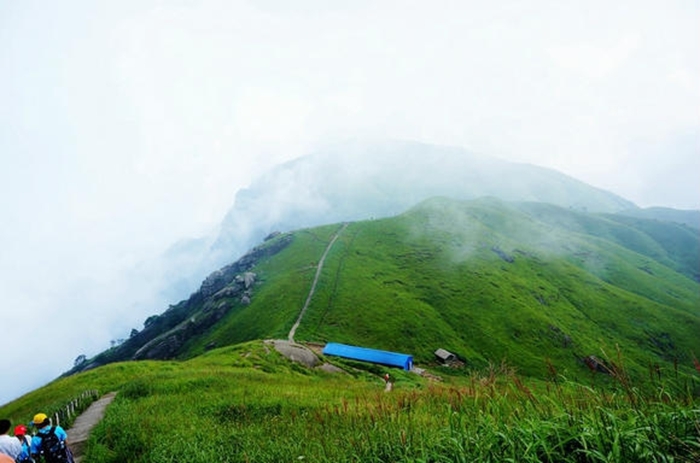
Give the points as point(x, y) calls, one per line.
point(9, 445)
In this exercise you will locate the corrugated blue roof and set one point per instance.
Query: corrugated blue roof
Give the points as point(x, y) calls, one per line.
point(365, 354)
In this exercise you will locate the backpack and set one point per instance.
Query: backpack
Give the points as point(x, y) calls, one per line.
point(25, 460)
point(53, 449)
point(26, 445)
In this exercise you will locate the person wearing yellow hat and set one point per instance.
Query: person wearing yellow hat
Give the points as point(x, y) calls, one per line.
point(8, 445)
point(49, 441)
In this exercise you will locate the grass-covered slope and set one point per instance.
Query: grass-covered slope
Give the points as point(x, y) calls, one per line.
point(248, 403)
point(688, 217)
point(509, 287)
point(534, 284)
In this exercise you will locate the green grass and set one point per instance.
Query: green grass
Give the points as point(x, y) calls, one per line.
point(487, 280)
point(247, 403)
point(418, 283)
point(530, 286)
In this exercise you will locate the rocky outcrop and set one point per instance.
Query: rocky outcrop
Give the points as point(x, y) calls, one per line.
point(215, 307)
point(303, 355)
point(164, 335)
point(221, 290)
point(503, 255)
point(295, 352)
point(219, 279)
point(597, 365)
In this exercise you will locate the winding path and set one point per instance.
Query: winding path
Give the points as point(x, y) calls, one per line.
point(319, 267)
point(80, 431)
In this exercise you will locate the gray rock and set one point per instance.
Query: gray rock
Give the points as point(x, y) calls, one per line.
point(296, 352)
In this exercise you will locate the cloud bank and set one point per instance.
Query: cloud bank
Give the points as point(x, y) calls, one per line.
point(127, 126)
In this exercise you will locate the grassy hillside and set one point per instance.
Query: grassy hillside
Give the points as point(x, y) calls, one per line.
point(247, 403)
point(357, 181)
point(529, 283)
point(690, 218)
point(487, 280)
point(521, 292)
point(534, 284)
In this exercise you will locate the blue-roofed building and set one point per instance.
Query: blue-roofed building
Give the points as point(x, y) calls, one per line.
point(383, 357)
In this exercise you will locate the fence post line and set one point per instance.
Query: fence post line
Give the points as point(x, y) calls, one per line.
point(70, 409)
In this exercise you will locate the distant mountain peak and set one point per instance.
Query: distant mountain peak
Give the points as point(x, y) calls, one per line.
point(355, 180)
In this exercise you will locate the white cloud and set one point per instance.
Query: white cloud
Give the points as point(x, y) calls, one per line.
point(126, 126)
point(596, 62)
point(267, 115)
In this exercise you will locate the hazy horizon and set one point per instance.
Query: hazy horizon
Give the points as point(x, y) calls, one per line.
point(127, 127)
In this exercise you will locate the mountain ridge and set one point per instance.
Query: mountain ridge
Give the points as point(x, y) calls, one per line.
point(358, 180)
point(434, 260)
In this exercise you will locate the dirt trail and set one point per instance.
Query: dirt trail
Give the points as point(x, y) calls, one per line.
point(79, 433)
point(319, 267)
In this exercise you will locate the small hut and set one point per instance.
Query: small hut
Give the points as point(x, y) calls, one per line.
point(445, 357)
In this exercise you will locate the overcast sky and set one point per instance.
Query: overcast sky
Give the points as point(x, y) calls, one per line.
point(128, 125)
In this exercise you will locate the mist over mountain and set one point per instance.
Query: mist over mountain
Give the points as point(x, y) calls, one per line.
point(359, 180)
point(485, 278)
point(690, 218)
point(362, 180)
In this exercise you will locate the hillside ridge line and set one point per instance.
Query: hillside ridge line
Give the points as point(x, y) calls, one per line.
point(319, 268)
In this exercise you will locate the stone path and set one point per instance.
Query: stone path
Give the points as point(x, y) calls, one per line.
point(80, 431)
point(319, 267)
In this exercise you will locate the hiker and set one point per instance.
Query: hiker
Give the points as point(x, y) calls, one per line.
point(389, 385)
point(49, 441)
point(8, 445)
point(26, 441)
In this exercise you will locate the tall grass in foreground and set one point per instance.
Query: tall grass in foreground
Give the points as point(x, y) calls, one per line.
point(220, 415)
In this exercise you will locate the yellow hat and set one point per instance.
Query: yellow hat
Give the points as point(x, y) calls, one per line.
point(39, 418)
